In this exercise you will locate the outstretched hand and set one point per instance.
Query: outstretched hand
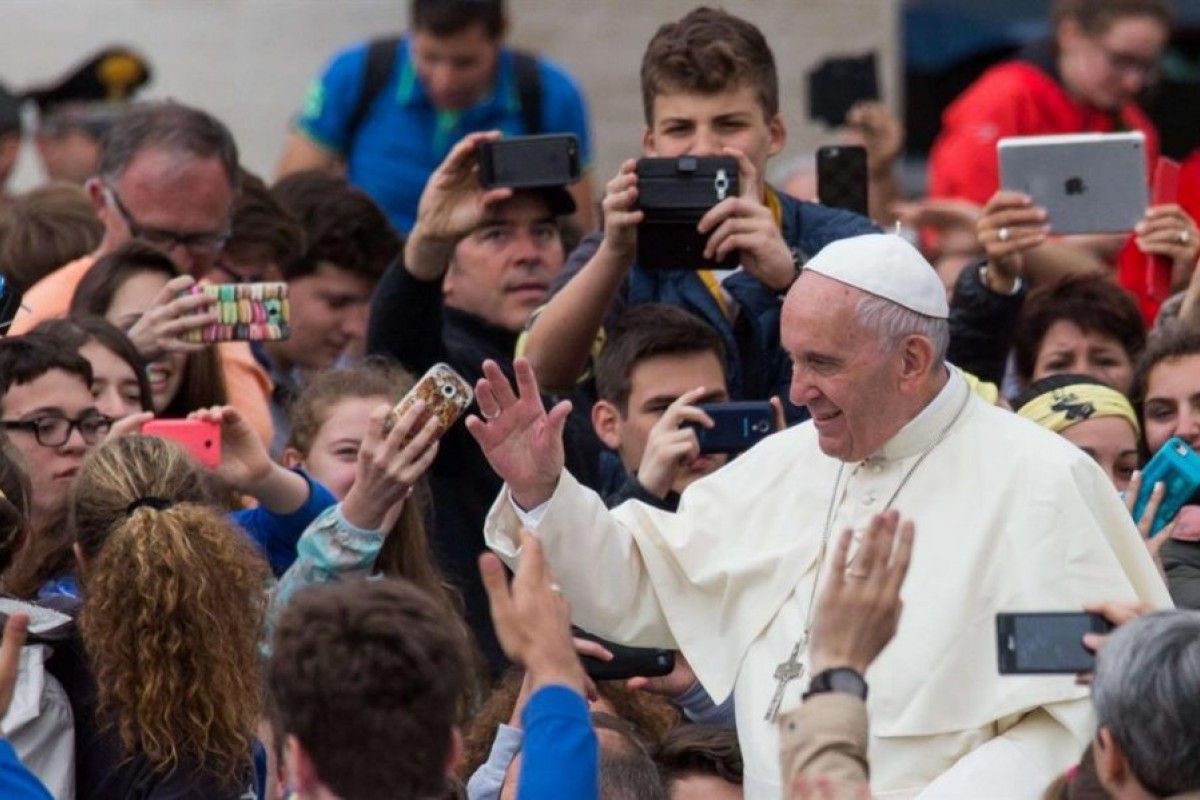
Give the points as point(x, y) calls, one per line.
point(521, 441)
point(163, 327)
point(859, 608)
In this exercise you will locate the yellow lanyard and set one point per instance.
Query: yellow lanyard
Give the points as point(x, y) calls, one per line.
point(771, 201)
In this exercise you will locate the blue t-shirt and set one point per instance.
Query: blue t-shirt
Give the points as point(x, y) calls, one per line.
point(403, 137)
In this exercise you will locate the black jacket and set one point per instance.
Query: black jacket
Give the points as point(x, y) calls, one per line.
point(982, 326)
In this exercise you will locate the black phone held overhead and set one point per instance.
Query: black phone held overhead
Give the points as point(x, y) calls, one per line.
point(842, 180)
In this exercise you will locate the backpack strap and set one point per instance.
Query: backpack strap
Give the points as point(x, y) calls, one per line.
point(529, 90)
point(381, 58)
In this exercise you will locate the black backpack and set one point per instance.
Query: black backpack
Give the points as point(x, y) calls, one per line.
point(381, 58)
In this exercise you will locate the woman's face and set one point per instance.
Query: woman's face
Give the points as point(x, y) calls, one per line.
point(333, 457)
point(129, 302)
point(1110, 68)
point(1172, 403)
point(114, 383)
point(1111, 442)
point(1067, 348)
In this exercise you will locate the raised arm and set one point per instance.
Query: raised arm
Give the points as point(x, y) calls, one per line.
point(562, 334)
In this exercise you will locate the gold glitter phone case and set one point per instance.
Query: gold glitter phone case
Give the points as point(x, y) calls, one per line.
point(446, 394)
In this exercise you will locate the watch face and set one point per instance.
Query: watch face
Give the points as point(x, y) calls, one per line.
point(842, 680)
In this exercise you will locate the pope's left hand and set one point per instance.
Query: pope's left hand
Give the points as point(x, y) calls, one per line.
point(744, 224)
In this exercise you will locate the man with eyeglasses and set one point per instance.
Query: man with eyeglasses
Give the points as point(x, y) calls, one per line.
point(168, 177)
point(48, 413)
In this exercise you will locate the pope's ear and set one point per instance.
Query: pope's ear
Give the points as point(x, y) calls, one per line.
point(916, 360)
point(607, 421)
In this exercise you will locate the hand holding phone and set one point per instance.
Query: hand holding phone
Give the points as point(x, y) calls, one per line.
point(672, 442)
point(446, 396)
point(626, 662)
point(673, 195)
point(246, 312)
point(200, 438)
point(1177, 467)
point(737, 426)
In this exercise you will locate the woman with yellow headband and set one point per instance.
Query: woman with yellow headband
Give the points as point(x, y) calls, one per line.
point(1090, 414)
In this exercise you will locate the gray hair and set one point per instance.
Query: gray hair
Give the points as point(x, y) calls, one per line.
point(1146, 690)
point(169, 126)
point(892, 322)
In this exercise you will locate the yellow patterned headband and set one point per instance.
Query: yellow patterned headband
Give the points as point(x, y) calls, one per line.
point(1059, 409)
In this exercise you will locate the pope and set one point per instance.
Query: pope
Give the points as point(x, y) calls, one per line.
point(1008, 517)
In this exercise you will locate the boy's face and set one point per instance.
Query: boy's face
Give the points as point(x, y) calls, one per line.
point(328, 314)
point(653, 385)
point(687, 124)
point(457, 69)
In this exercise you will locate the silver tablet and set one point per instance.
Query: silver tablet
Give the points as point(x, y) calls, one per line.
point(1087, 182)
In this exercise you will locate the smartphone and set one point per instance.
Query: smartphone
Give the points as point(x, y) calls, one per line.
point(627, 662)
point(836, 84)
point(1177, 466)
point(10, 304)
point(247, 312)
point(1165, 189)
point(673, 195)
point(1046, 642)
point(522, 162)
point(447, 396)
point(201, 438)
point(736, 427)
point(842, 177)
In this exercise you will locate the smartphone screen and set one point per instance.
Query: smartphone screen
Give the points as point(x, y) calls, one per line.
point(529, 161)
point(1046, 642)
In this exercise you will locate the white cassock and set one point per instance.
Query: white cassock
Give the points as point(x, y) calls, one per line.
point(1009, 517)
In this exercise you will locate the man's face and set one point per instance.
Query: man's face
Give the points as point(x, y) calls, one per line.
point(68, 154)
point(840, 370)
point(702, 124)
point(51, 469)
point(162, 197)
point(456, 70)
point(503, 269)
point(654, 384)
point(328, 313)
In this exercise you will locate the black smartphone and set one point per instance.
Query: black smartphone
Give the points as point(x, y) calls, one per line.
point(736, 426)
point(10, 304)
point(1046, 642)
point(842, 177)
point(627, 662)
point(836, 84)
point(523, 162)
point(673, 195)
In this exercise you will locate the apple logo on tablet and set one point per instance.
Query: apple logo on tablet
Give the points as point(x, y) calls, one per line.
point(1075, 186)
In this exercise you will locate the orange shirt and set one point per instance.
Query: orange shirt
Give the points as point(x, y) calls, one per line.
point(246, 381)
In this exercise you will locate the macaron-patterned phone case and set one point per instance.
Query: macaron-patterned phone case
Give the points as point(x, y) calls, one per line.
point(246, 312)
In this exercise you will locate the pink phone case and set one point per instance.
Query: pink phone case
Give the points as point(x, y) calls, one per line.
point(201, 439)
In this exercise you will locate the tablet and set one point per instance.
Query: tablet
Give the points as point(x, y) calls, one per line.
point(1087, 182)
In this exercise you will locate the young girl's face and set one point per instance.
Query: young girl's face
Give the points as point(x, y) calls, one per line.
point(332, 459)
point(129, 302)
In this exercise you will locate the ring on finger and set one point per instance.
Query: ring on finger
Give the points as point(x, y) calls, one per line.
point(1002, 235)
point(1184, 236)
point(487, 416)
point(554, 587)
point(860, 575)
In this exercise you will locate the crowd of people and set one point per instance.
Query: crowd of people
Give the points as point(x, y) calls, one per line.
point(345, 600)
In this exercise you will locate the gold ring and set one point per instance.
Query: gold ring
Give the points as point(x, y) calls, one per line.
point(859, 575)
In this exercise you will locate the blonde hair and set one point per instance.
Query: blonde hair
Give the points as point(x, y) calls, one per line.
point(174, 604)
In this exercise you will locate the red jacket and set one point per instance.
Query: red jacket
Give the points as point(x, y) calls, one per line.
point(1017, 98)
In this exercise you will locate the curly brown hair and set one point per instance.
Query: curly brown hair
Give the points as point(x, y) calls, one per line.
point(174, 604)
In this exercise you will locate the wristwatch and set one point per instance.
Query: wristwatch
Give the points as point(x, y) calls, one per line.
point(839, 679)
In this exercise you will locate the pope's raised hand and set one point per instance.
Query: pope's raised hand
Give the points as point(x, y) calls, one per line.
point(522, 442)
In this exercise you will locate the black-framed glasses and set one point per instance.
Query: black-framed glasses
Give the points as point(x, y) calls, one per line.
point(207, 243)
point(54, 430)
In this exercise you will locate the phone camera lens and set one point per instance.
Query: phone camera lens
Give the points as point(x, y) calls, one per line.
point(762, 426)
point(448, 391)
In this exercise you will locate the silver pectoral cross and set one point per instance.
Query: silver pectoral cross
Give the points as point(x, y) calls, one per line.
point(786, 672)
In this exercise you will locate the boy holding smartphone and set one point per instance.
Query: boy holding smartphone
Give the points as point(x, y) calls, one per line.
point(659, 363)
point(709, 88)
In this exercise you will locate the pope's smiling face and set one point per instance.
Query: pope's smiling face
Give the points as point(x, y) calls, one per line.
point(848, 379)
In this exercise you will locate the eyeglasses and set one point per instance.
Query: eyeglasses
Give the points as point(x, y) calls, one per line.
point(199, 244)
point(1128, 63)
point(54, 430)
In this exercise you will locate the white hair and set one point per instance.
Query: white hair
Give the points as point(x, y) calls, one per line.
point(892, 322)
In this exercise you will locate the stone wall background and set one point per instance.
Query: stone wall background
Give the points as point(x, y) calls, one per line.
point(248, 61)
